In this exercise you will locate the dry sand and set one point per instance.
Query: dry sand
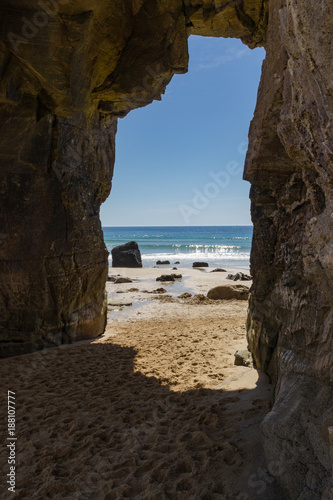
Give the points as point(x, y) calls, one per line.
point(154, 409)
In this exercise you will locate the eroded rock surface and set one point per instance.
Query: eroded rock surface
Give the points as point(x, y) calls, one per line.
point(55, 173)
point(67, 71)
point(289, 163)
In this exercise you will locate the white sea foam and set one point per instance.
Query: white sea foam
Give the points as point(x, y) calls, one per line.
point(194, 256)
point(197, 256)
point(221, 248)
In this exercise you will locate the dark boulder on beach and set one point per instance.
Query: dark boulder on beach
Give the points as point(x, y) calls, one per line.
point(219, 270)
point(163, 262)
point(127, 255)
point(177, 262)
point(200, 264)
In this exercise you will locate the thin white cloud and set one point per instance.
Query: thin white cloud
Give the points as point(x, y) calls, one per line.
point(209, 60)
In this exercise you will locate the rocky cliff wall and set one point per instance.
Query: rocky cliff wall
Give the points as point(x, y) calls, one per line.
point(68, 69)
point(289, 164)
point(55, 173)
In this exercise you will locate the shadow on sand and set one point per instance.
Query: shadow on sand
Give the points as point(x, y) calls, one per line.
point(89, 427)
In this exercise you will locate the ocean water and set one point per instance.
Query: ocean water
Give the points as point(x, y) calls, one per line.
point(220, 246)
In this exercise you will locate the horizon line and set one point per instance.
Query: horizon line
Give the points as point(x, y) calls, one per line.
point(174, 225)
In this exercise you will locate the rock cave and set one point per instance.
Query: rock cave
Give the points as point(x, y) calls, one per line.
point(68, 71)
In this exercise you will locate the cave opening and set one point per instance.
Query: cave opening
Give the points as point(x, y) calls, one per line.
point(179, 161)
point(66, 77)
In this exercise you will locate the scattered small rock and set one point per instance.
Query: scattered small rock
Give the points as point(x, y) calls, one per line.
point(169, 277)
point(157, 290)
point(185, 295)
point(239, 277)
point(165, 277)
point(177, 262)
point(199, 298)
point(164, 298)
point(243, 357)
point(119, 303)
point(174, 268)
point(111, 278)
point(218, 270)
point(162, 262)
point(123, 280)
point(133, 290)
point(227, 292)
point(200, 264)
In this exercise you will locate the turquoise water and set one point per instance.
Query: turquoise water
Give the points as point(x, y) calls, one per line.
point(220, 246)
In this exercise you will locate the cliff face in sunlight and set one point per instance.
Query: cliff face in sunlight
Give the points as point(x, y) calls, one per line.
point(68, 69)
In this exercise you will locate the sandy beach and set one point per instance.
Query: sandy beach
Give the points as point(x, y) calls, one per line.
point(153, 409)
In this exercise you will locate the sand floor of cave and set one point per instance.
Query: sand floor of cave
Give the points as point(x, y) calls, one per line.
point(153, 409)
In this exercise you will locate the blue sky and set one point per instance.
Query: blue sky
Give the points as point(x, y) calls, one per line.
point(180, 161)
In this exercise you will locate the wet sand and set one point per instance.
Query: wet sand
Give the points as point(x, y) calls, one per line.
point(153, 409)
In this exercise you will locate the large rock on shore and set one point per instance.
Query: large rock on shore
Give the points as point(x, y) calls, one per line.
point(127, 255)
point(227, 292)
